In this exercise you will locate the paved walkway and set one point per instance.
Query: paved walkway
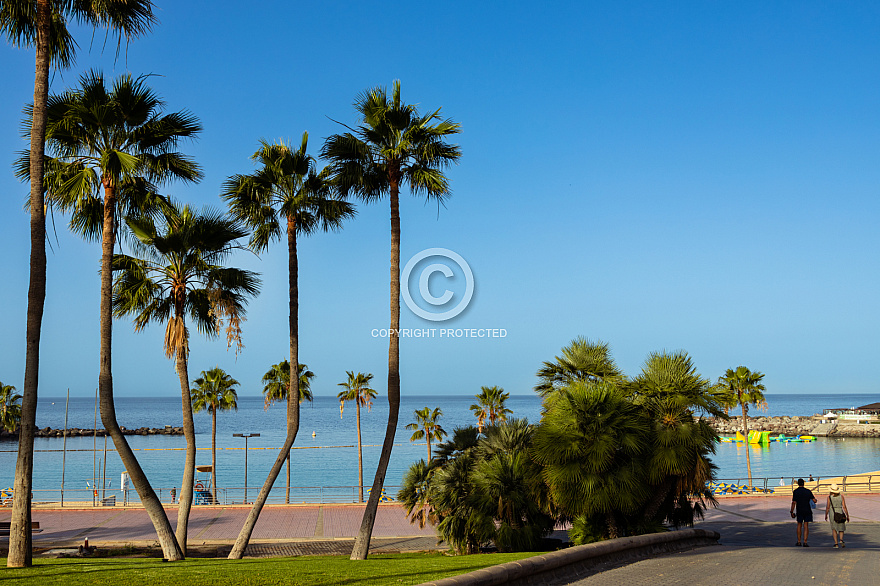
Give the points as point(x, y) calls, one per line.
point(280, 530)
point(757, 547)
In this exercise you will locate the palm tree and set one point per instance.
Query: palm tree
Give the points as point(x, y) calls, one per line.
point(357, 389)
point(393, 145)
point(415, 494)
point(10, 408)
point(287, 197)
point(671, 390)
point(214, 392)
point(490, 405)
point(179, 270)
point(592, 442)
point(110, 148)
point(43, 25)
point(742, 387)
point(426, 427)
point(582, 360)
point(277, 381)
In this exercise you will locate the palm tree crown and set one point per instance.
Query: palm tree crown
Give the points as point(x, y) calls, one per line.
point(490, 406)
point(582, 360)
point(393, 145)
point(277, 383)
point(10, 409)
point(287, 186)
point(179, 273)
point(117, 141)
point(742, 387)
point(357, 389)
point(123, 18)
point(214, 391)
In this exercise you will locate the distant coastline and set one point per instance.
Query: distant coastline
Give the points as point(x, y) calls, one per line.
point(77, 432)
point(795, 425)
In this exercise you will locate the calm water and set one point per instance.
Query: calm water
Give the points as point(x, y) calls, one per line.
point(337, 466)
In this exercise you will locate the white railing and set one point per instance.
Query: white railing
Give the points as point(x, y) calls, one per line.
point(864, 483)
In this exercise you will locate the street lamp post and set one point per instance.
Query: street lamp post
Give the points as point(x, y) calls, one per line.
point(246, 436)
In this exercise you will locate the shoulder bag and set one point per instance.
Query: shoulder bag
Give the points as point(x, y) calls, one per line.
point(838, 517)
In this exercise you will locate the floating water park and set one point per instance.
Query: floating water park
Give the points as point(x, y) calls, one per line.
point(764, 438)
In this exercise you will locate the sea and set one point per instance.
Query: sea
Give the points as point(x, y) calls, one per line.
point(324, 459)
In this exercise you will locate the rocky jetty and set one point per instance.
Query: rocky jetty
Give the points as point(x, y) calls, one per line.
point(75, 432)
point(796, 425)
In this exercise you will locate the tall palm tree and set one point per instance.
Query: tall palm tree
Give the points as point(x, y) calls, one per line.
point(287, 197)
point(490, 405)
point(178, 271)
point(10, 408)
point(43, 25)
point(741, 388)
point(111, 148)
point(582, 360)
point(277, 385)
point(392, 146)
point(214, 392)
point(426, 427)
point(357, 389)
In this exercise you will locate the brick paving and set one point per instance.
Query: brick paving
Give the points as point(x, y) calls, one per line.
point(280, 530)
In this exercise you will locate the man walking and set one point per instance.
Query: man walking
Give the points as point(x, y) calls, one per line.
point(802, 511)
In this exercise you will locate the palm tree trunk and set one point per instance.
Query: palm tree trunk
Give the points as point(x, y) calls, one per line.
point(429, 446)
point(20, 538)
point(244, 536)
point(214, 454)
point(362, 542)
point(189, 432)
point(746, 434)
point(287, 492)
point(611, 525)
point(170, 548)
point(660, 494)
point(357, 405)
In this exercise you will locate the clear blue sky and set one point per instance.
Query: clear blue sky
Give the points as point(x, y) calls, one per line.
point(689, 175)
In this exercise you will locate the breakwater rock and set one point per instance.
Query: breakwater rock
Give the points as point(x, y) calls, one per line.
point(77, 432)
point(796, 425)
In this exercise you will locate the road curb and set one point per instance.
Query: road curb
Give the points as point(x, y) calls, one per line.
point(582, 559)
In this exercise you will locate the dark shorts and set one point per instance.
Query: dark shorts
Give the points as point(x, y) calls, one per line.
point(805, 517)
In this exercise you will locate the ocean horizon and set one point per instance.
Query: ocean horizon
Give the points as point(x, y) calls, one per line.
point(329, 459)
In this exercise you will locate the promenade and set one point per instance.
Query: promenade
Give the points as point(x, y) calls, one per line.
point(280, 530)
point(757, 547)
point(757, 540)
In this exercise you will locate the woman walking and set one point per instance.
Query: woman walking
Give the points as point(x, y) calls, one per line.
point(839, 514)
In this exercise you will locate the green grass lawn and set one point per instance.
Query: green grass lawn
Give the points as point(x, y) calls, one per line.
point(411, 568)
